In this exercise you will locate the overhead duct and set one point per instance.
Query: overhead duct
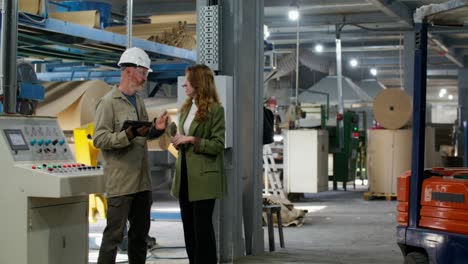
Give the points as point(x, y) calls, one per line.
point(287, 64)
point(372, 87)
point(351, 92)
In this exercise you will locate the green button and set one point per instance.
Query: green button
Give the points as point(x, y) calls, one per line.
point(39, 167)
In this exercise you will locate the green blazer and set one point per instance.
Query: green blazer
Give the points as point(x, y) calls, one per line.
point(205, 158)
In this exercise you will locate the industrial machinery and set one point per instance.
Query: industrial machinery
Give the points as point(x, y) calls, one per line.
point(29, 92)
point(43, 195)
point(86, 153)
point(345, 156)
point(305, 161)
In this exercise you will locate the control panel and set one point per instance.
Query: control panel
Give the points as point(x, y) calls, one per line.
point(39, 151)
point(45, 192)
point(35, 139)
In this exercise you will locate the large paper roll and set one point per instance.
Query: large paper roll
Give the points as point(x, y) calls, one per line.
point(73, 103)
point(392, 108)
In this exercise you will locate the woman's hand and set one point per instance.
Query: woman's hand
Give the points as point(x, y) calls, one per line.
point(178, 140)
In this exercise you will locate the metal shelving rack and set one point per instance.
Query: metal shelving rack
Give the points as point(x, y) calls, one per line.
point(84, 53)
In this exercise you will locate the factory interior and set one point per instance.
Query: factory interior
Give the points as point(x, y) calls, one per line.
point(346, 127)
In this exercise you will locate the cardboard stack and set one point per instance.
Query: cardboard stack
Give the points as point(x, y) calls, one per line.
point(174, 30)
point(389, 149)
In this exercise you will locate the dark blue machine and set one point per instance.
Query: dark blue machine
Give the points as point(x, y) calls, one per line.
point(29, 91)
point(421, 245)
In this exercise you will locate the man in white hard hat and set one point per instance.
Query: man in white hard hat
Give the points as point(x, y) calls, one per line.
point(127, 182)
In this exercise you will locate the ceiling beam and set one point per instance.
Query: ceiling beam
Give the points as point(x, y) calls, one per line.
point(283, 21)
point(448, 53)
point(396, 10)
point(283, 3)
point(290, 38)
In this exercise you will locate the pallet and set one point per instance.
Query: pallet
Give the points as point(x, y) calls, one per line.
point(379, 196)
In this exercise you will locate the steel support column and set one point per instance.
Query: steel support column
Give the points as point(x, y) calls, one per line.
point(419, 123)
point(462, 107)
point(8, 51)
point(407, 55)
point(242, 26)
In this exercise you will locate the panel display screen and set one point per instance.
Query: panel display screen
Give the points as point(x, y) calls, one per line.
point(16, 139)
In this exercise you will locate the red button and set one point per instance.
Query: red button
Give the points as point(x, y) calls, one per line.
point(50, 169)
point(33, 167)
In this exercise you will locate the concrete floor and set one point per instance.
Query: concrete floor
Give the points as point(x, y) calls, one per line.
point(340, 228)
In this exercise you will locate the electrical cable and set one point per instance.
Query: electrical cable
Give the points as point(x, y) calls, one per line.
point(40, 22)
point(154, 256)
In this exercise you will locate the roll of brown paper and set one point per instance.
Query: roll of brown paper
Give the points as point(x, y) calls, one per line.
point(73, 103)
point(392, 108)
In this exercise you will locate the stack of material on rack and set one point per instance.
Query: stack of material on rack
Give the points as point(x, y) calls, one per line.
point(178, 36)
point(88, 18)
point(174, 30)
point(389, 149)
point(30, 6)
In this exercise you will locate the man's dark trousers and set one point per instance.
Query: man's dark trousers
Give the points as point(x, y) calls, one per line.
point(137, 209)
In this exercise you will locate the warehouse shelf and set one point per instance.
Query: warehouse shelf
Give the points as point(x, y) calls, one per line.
point(61, 39)
point(81, 52)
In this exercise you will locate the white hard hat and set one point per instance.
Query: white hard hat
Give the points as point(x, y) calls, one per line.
point(135, 56)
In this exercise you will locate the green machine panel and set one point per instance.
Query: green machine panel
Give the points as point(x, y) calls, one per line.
point(345, 157)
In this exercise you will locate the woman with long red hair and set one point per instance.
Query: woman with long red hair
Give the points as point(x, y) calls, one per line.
point(199, 179)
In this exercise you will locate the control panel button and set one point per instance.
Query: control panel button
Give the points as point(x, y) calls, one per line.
point(33, 142)
point(55, 142)
point(47, 142)
point(61, 142)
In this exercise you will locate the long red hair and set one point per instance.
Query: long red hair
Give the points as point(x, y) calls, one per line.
point(201, 78)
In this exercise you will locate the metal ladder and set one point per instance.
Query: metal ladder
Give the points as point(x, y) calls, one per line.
point(273, 185)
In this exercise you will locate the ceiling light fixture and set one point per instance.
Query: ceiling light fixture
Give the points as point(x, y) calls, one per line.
point(450, 97)
point(443, 91)
point(373, 71)
point(293, 14)
point(354, 63)
point(319, 48)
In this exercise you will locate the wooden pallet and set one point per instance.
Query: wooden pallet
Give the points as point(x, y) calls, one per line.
point(379, 196)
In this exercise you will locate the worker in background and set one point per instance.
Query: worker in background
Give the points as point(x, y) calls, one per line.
point(126, 177)
point(199, 177)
